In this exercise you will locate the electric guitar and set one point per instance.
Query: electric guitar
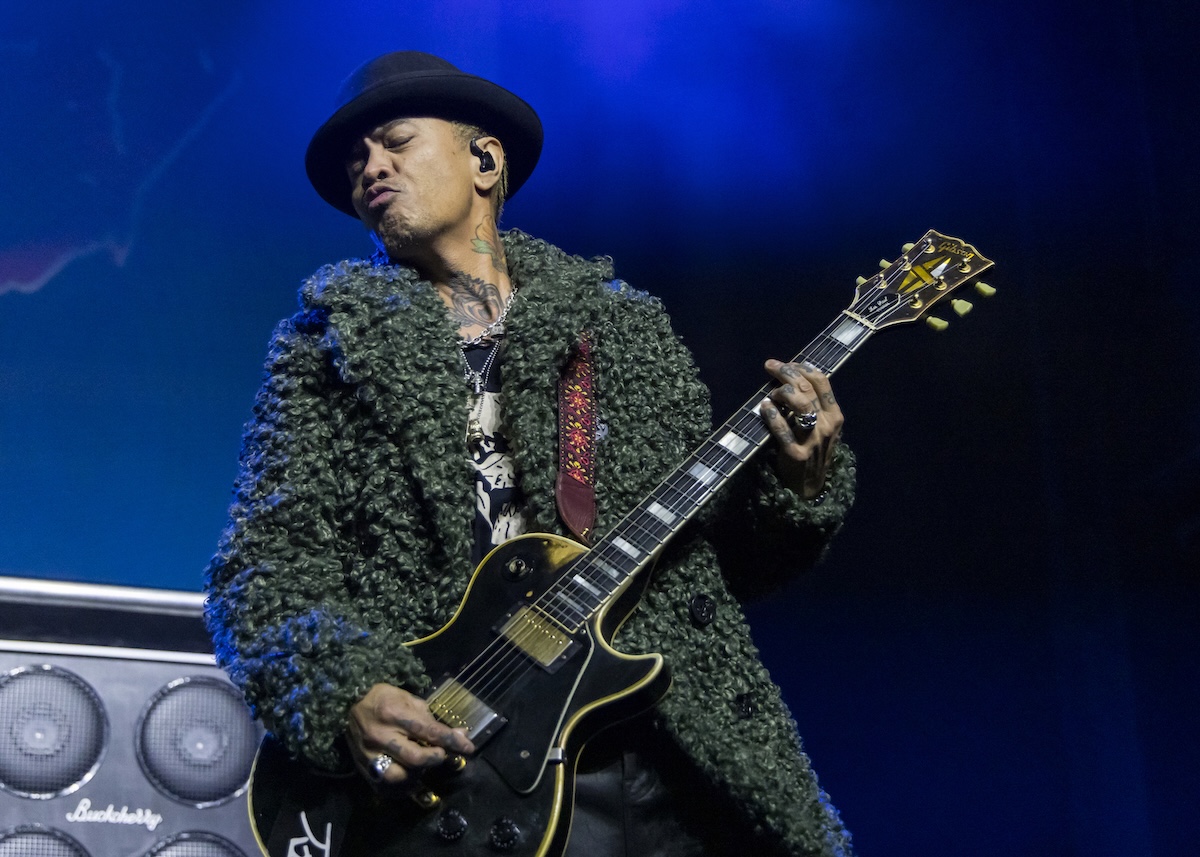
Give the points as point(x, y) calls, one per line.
point(525, 664)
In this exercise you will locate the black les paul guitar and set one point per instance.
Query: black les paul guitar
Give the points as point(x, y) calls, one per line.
point(525, 665)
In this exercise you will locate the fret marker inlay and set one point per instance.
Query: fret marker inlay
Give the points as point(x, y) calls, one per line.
point(595, 592)
point(662, 513)
point(571, 603)
point(625, 547)
point(703, 475)
point(734, 443)
point(607, 569)
point(848, 333)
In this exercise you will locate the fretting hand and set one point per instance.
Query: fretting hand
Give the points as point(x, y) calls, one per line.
point(806, 437)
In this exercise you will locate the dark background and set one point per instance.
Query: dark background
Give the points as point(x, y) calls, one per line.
point(999, 657)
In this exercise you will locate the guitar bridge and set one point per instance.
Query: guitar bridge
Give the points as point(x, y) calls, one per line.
point(458, 708)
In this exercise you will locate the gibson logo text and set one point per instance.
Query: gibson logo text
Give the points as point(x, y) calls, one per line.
point(956, 249)
point(112, 815)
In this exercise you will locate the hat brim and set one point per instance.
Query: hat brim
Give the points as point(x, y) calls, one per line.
point(453, 96)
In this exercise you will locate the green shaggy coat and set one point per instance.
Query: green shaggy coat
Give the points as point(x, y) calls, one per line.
point(350, 531)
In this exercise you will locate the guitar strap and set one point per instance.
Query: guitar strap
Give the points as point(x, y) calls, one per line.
point(575, 488)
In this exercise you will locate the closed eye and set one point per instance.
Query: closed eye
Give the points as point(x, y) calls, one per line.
point(357, 160)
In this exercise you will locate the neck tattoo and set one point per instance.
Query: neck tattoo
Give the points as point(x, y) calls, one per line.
point(494, 328)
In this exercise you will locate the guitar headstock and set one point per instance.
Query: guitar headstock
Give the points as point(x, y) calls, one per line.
point(909, 286)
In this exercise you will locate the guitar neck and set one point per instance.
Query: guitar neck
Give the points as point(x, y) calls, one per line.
point(638, 538)
point(903, 291)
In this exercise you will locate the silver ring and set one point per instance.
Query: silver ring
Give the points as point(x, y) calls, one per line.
point(380, 764)
point(804, 421)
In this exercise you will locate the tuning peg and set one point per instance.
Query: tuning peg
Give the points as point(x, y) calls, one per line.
point(937, 323)
point(884, 263)
point(859, 281)
point(904, 248)
point(984, 289)
point(961, 307)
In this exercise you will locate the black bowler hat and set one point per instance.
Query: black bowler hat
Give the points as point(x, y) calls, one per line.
point(411, 83)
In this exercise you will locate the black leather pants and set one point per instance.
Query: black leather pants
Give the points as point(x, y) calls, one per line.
point(636, 796)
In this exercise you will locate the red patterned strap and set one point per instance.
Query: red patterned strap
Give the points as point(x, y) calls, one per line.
point(575, 488)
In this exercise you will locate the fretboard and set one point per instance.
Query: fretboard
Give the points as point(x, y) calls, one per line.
point(903, 291)
point(638, 538)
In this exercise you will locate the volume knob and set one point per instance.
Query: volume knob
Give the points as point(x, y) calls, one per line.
point(505, 835)
point(451, 825)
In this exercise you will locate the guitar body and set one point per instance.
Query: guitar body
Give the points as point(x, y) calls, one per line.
point(515, 794)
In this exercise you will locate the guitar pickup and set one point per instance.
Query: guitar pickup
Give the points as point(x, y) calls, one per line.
point(537, 635)
point(458, 708)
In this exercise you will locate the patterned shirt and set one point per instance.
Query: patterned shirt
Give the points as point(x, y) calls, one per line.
point(499, 504)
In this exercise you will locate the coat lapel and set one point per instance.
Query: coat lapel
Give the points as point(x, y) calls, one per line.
point(555, 306)
point(396, 345)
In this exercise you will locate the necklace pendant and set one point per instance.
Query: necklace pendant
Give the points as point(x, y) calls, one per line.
point(474, 432)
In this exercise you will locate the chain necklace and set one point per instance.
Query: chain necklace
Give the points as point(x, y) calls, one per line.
point(478, 381)
point(495, 328)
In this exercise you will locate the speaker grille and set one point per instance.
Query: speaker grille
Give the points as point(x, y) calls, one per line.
point(35, 841)
point(196, 742)
point(195, 844)
point(52, 731)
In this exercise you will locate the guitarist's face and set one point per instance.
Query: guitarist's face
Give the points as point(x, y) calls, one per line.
point(414, 183)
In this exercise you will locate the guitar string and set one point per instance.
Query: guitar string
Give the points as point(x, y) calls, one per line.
point(826, 348)
point(487, 672)
point(497, 662)
point(823, 350)
point(492, 675)
point(689, 497)
point(705, 453)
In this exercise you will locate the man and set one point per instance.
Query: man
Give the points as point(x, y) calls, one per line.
point(373, 480)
